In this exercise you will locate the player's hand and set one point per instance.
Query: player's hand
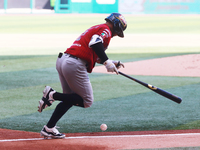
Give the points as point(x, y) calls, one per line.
point(110, 66)
point(118, 64)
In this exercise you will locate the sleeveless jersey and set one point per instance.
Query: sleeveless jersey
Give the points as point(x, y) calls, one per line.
point(80, 48)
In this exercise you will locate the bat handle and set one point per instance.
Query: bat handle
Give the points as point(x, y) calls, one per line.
point(125, 75)
point(118, 64)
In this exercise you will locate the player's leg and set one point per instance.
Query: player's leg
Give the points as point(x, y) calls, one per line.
point(50, 130)
point(47, 98)
point(77, 89)
point(72, 66)
point(77, 78)
point(59, 111)
point(81, 82)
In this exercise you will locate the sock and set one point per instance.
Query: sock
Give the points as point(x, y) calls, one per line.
point(73, 99)
point(59, 111)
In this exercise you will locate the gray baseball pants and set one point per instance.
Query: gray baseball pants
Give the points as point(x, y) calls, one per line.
point(74, 78)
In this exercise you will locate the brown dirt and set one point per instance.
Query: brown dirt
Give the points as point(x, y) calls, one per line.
point(182, 66)
point(19, 140)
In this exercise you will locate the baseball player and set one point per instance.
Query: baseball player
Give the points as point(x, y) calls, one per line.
point(73, 67)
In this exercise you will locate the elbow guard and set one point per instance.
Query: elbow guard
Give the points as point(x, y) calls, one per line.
point(95, 39)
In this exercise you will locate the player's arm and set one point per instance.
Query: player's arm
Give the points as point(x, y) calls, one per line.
point(96, 44)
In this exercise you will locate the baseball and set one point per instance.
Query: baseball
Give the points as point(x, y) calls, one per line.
point(103, 127)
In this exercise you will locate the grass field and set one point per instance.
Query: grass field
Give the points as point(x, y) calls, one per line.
point(28, 52)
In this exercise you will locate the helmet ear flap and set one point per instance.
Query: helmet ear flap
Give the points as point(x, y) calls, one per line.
point(117, 28)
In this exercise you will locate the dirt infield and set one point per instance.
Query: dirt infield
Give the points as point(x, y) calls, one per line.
point(183, 65)
point(21, 140)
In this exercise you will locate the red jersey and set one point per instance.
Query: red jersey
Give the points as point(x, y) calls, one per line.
point(80, 48)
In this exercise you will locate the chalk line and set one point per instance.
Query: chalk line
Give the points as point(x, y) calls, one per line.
point(109, 136)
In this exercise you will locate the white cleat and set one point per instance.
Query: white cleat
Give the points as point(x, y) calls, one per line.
point(51, 132)
point(47, 98)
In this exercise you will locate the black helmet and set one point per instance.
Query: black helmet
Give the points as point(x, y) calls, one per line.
point(119, 23)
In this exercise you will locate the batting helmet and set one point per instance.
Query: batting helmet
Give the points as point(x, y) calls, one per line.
point(119, 23)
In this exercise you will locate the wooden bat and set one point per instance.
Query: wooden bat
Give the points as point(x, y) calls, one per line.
point(155, 89)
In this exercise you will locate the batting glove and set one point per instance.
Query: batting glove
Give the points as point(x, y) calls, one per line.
point(110, 66)
point(118, 64)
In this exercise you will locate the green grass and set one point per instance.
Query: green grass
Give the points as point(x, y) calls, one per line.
point(122, 104)
point(190, 125)
point(135, 109)
point(70, 23)
point(21, 63)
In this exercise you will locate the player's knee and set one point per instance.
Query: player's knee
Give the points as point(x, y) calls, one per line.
point(82, 102)
point(88, 102)
point(86, 105)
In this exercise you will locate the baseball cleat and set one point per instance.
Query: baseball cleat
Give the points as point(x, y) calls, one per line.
point(51, 132)
point(42, 105)
point(47, 99)
point(46, 93)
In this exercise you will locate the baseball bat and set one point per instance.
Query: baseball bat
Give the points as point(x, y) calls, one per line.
point(155, 89)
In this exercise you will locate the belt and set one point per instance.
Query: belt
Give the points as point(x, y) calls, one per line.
point(72, 56)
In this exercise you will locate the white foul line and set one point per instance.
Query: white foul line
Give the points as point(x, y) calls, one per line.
point(12, 140)
point(112, 136)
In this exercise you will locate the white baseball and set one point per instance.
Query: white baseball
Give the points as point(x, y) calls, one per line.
point(103, 127)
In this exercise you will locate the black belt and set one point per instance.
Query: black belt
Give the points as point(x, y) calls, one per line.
point(72, 56)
